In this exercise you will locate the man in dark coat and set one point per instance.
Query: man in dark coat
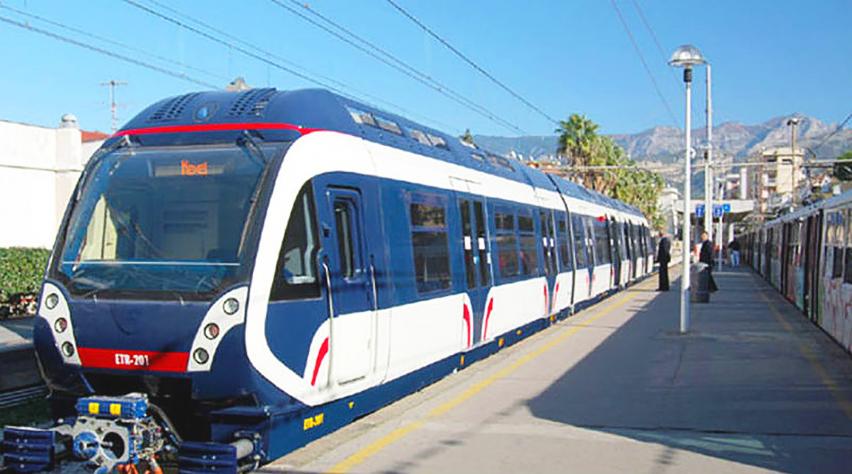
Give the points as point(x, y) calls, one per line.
point(664, 256)
point(706, 256)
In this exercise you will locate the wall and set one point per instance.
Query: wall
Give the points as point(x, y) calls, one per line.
point(39, 168)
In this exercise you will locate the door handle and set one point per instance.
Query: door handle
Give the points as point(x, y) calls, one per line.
point(330, 299)
point(373, 283)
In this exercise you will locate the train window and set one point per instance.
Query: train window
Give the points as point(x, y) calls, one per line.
point(602, 243)
point(344, 221)
point(564, 244)
point(295, 273)
point(837, 263)
point(361, 117)
point(467, 243)
point(388, 125)
point(430, 245)
point(507, 243)
point(529, 244)
point(477, 157)
point(579, 241)
point(548, 241)
point(419, 136)
point(481, 244)
point(847, 278)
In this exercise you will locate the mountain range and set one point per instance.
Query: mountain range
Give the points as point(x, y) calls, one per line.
point(665, 144)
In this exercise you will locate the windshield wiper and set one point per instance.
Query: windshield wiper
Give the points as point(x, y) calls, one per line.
point(247, 142)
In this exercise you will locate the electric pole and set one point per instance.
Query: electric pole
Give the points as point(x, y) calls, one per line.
point(113, 105)
point(793, 123)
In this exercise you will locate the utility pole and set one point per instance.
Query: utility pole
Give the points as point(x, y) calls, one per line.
point(793, 123)
point(113, 105)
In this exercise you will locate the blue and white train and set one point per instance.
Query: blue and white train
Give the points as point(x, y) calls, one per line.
point(239, 273)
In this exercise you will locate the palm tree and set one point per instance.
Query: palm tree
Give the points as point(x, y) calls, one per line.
point(577, 136)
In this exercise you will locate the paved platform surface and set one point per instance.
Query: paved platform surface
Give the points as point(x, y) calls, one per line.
point(754, 387)
point(17, 361)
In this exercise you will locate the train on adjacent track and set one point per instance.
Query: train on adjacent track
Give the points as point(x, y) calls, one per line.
point(807, 256)
point(239, 273)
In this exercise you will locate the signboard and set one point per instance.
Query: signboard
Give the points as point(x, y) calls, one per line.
point(699, 210)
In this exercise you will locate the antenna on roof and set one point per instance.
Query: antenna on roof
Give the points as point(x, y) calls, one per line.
point(113, 105)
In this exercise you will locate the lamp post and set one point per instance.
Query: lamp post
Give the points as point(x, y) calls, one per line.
point(708, 161)
point(686, 57)
point(793, 123)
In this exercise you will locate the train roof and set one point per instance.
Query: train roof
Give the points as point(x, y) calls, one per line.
point(834, 201)
point(310, 110)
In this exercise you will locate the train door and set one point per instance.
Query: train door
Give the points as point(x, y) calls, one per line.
point(615, 245)
point(583, 258)
point(477, 261)
point(548, 244)
point(351, 255)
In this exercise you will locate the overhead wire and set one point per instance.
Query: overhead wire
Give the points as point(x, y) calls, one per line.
point(263, 55)
point(655, 38)
point(97, 37)
point(469, 61)
point(106, 52)
point(644, 63)
point(839, 128)
point(347, 36)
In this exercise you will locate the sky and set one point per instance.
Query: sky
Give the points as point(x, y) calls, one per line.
point(769, 58)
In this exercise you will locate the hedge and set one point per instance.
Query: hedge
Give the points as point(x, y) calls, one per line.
point(21, 270)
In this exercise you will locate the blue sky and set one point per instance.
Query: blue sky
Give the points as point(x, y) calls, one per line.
point(769, 58)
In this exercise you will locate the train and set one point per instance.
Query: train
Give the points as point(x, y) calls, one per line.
point(239, 273)
point(807, 256)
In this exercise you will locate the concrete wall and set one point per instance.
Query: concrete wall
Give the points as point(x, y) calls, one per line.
point(39, 168)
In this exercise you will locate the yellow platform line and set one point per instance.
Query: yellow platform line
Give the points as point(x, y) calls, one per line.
point(399, 433)
point(825, 378)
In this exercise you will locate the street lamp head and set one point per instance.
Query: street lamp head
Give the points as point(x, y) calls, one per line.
point(686, 56)
point(793, 121)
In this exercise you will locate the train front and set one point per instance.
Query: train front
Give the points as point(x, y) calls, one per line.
point(140, 332)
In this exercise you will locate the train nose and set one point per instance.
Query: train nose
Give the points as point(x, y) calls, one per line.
point(226, 313)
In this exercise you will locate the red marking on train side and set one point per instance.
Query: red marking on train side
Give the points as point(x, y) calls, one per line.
point(323, 350)
point(216, 127)
point(555, 292)
point(487, 316)
point(466, 316)
point(133, 359)
point(546, 300)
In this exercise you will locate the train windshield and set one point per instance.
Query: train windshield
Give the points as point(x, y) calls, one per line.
point(171, 220)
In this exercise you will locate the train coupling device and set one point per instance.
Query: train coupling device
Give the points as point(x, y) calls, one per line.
point(119, 434)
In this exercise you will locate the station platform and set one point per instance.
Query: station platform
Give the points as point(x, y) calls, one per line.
point(753, 387)
point(18, 366)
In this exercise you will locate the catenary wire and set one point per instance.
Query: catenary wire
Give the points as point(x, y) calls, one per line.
point(469, 61)
point(644, 63)
point(839, 128)
point(655, 38)
point(104, 51)
point(94, 36)
point(262, 57)
point(398, 65)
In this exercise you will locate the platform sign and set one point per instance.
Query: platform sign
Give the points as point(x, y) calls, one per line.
point(717, 210)
point(726, 207)
point(699, 210)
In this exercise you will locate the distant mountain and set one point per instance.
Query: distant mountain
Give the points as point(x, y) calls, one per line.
point(665, 144)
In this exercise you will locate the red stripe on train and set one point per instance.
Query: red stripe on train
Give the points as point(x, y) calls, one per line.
point(323, 350)
point(216, 127)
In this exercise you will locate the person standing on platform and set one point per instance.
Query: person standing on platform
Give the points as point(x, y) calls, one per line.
point(706, 256)
point(734, 248)
point(664, 256)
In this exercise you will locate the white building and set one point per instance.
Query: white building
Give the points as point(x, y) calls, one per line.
point(39, 168)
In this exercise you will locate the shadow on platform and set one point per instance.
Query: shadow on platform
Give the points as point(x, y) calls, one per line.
point(739, 386)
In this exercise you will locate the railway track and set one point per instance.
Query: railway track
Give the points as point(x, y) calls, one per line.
point(19, 396)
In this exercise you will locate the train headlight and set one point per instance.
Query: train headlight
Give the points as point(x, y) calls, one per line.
point(211, 331)
point(67, 349)
point(51, 301)
point(230, 306)
point(60, 325)
point(201, 356)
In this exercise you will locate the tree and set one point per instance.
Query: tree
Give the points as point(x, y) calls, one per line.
point(579, 141)
point(843, 168)
point(467, 137)
point(576, 139)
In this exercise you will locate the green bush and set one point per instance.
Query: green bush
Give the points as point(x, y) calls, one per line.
point(21, 270)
